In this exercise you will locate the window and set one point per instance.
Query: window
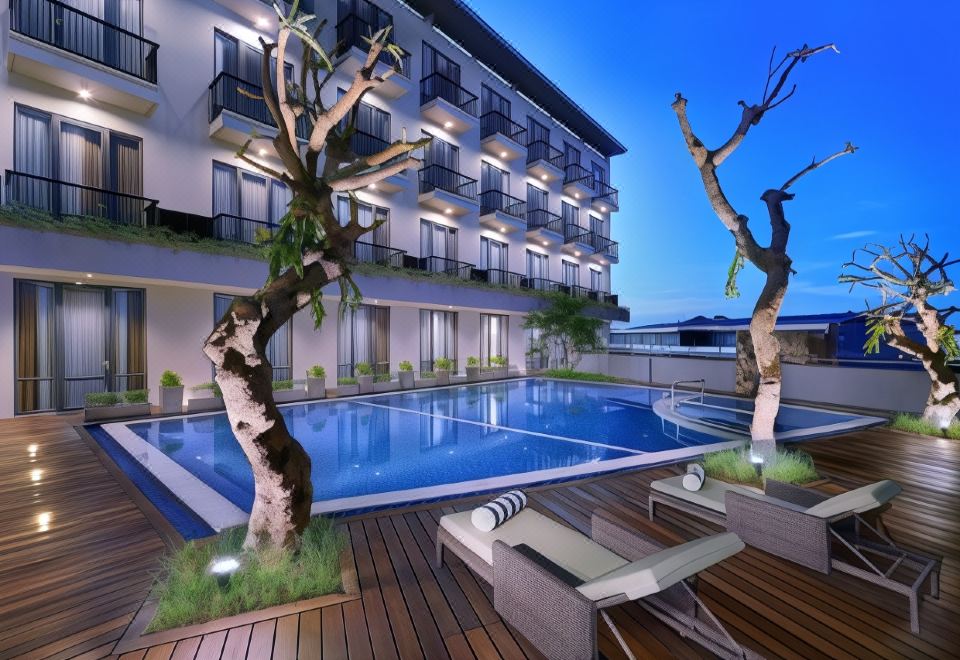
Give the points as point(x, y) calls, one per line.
point(493, 259)
point(536, 198)
point(50, 152)
point(242, 61)
point(364, 336)
point(372, 134)
point(438, 337)
point(597, 280)
point(490, 101)
point(442, 153)
point(279, 348)
point(598, 226)
point(493, 178)
point(245, 202)
point(436, 62)
point(493, 337)
point(439, 243)
point(538, 269)
point(537, 132)
point(367, 214)
point(537, 355)
point(571, 273)
point(74, 340)
point(571, 155)
point(599, 174)
point(570, 214)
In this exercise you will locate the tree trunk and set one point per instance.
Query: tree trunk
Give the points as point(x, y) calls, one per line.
point(766, 347)
point(943, 402)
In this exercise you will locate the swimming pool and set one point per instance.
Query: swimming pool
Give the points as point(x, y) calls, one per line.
point(387, 449)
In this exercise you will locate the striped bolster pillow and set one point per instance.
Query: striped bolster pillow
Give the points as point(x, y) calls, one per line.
point(496, 512)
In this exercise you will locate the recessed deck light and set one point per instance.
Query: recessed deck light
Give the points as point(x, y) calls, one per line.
point(448, 124)
point(84, 94)
point(43, 521)
point(222, 568)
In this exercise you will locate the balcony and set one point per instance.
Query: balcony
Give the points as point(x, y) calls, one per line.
point(501, 137)
point(544, 227)
point(228, 227)
point(383, 255)
point(447, 191)
point(62, 199)
point(367, 144)
point(604, 249)
point(577, 240)
point(499, 277)
point(60, 45)
point(458, 269)
point(234, 116)
point(577, 182)
point(544, 162)
point(544, 284)
point(447, 104)
point(606, 199)
point(501, 212)
point(352, 31)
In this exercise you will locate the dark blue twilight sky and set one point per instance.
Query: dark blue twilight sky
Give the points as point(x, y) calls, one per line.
point(893, 91)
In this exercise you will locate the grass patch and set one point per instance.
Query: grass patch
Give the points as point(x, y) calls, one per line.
point(916, 424)
point(570, 374)
point(188, 594)
point(733, 465)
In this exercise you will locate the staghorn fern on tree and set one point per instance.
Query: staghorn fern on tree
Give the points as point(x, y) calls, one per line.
point(906, 277)
point(310, 250)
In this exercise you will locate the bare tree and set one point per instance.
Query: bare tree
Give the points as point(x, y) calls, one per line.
point(310, 250)
point(772, 260)
point(906, 277)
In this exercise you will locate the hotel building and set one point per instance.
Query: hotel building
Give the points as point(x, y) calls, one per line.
point(130, 112)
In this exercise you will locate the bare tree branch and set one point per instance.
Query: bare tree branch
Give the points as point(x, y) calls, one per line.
point(814, 164)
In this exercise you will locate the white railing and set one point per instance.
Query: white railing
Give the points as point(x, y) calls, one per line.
point(673, 390)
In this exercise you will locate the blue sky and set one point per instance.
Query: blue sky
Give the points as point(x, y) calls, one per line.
point(892, 91)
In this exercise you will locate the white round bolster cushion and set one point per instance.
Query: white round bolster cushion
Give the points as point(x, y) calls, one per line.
point(693, 479)
point(494, 513)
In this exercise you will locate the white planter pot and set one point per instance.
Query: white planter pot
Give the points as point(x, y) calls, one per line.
point(120, 411)
point(204, 404)
point(288, 396)
point(316, 388)
point(171, 400)
point(406, 379)
point(348, 390)
point(427, 382)
point(386, 386)
point(365, 383)
point(443, 377)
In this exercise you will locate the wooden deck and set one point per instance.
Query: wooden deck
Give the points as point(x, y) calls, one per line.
point(72, 589)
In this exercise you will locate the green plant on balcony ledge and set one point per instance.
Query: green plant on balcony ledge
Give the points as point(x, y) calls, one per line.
point(405, 365)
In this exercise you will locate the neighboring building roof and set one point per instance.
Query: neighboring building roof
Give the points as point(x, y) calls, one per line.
point(463, 25)
point(722, 323)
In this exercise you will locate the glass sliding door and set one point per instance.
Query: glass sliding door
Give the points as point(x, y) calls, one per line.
point(128, 359)
point(364, 336)
point(438, 337)
point(493, 259)
point(84, 343)
point(80, 162)
point(538, 270)
point(493, 337)
point(35, 329)
point(571, 273)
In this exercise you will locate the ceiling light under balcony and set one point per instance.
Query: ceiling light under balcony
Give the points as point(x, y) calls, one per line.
point(448, 211)
point(576, 254)
point(545, 244)
point(503, 154)
point(84, 94)
point(577, 195)
point(603, 209)
point(262, 23)
point(372, 186)
point(262, 152)
point(503, 230)
point(448, 124)
point(543, 177)
point(89, 275)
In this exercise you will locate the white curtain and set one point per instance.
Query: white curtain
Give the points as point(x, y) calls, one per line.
point(280, 196)
point(32, 155)
point(124, 51)
point(80, 163)
point(254, 202)
point(80, 34)
point(126, 174)
point(571, 273)
point(84, 343)
point(225, 201)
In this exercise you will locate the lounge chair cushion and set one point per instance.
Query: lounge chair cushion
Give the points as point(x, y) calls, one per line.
point(710, 496)
point(562, 545)
point(663, 569)
point(858, 500)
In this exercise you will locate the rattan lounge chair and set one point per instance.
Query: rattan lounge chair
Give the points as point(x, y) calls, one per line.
point(551, 582)
point(812, 529)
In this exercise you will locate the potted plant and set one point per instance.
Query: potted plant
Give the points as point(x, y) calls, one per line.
point(101, 406)
point(427, 379)
point(171, 393)
point(347, 386)
point(364, 373)
point(384, 383)
point(441, 367)
point(205, 397)
point(284, 392)
point(406, 375)
point(473, 368)
point(316, 382)
point(499, 363)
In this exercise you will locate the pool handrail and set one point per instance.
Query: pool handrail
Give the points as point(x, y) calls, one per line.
point(673, 390)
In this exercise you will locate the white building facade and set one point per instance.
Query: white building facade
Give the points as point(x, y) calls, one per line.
point(131, 111)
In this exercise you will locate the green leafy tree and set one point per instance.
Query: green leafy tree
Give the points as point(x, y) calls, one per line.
point(906, 277)
point(565, 330)
point(310, 249)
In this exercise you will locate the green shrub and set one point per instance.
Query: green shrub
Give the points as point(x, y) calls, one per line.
point(916, 424)
point(734, 465)
point(346, 381)
point(316, 371)
point(282, 385)
point(363, 369)
point(188, 594)
point(406, 366)
point(170, 379)
point(101, 399)
point(427, 374)
point(136, 396)
point(382, 378)
point(213, 386)
point(730, 465)
point(498, 361)
point(473, 362)
point(792, 467)
point(443, 364)
point(570, 374)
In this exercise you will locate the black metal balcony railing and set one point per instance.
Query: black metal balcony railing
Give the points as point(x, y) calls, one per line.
point(438, 86)
point(225, 94)
point(499, 277)
point(607, 193)
point(434, 177)
point(495, 122)
point(459, 269)
point(229, 227)
point(605, 246)
point(367, 144)
point(610, 298)
point(353, 31)
point(540, 150)
point(577, 291)
point(63, 199)
point(576, 234)
point(544, 219)
point(574, 173)
point(372, 253)
point(544, 284)
point(92, 38)
point(492, 201)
